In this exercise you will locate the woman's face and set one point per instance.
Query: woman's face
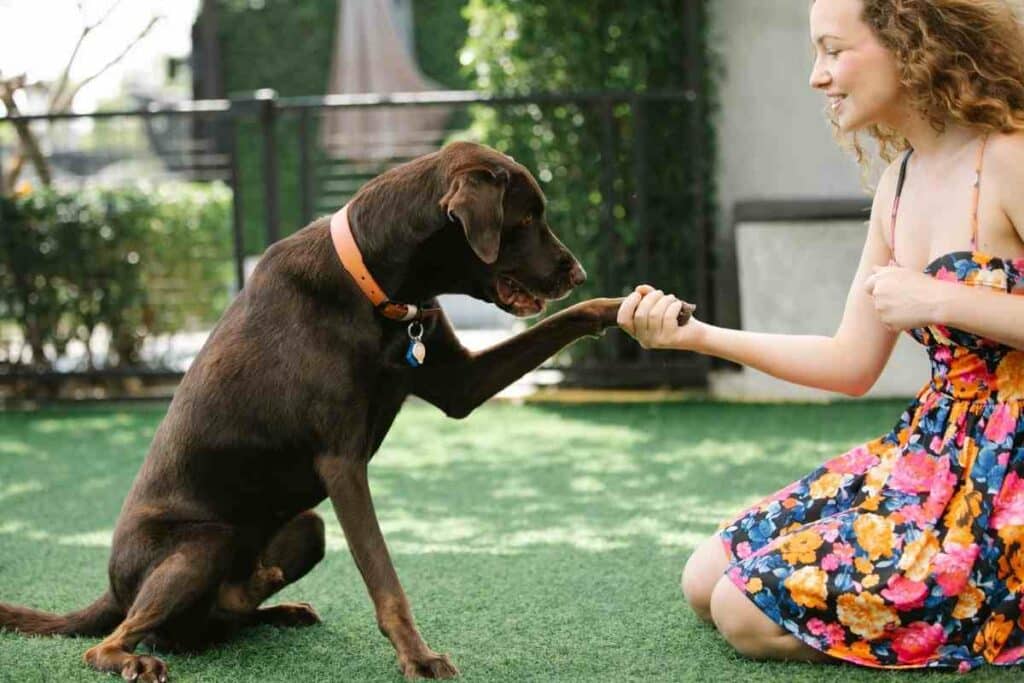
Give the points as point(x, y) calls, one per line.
point(854, 70)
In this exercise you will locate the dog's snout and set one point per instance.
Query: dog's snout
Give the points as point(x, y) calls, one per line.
point(577, 276)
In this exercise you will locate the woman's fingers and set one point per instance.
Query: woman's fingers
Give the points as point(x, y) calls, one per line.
point(643, 311)
point(627, 310)
point(671, 317)
point(656, 317)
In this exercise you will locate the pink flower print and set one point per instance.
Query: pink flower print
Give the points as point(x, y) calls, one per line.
point(936, 444)
point(918, 642)
point(1010, 655)
point(946, 274)
point(913, 473)
point(743, 550)
point(855, 461)
point(831, 633)
point(1000, 423)
point(1008, 507)
point(736, 576)
point(905, 594)
point(952, 567)
point(830, 563)
point(941, 490)
point(843, 551)
point(917, 515)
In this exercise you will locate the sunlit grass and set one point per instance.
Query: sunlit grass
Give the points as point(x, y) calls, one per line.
point(535, 542)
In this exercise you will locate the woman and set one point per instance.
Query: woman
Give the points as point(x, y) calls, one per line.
point(907, 551)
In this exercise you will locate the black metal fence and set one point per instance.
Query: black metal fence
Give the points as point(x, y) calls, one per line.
point(272, 154)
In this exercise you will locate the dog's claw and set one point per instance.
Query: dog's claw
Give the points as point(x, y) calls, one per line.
point(430, 665)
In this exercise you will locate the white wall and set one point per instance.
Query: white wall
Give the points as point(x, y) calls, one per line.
point(773, 139)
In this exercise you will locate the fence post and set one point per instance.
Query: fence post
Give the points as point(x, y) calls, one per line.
point(237, 215)
point(637, 104)
point(267, 100)
point(305, 167)
point(608, 169)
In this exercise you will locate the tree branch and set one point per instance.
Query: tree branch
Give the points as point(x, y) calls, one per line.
point(28, 141)
point(65, 103)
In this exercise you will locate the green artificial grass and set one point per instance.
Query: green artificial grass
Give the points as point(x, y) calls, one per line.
point(536, 542)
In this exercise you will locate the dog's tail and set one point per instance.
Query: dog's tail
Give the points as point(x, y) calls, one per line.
point(98, 619)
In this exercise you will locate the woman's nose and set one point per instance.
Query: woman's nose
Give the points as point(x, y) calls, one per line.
point(820, 77)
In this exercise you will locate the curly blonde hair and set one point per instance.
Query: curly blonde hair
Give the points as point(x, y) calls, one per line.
point(959, 61)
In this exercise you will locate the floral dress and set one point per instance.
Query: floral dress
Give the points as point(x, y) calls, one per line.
point(908, 551)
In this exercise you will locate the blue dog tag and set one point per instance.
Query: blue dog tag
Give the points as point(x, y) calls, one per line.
point(417, 352)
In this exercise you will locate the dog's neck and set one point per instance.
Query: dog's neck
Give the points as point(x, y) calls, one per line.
point(406, 241)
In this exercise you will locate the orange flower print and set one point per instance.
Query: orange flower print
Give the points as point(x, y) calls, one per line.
point(961, 513)
point(1011, 568)
point(968, 602)
point(991, 639)
point(801, 547)
point(865, 614)
point(826, 486)
point(1010, 375)
point(917, 556)
point(859, 653)
point(863, 565)
point(995, 278)
point(807, 586)
point(874, 534)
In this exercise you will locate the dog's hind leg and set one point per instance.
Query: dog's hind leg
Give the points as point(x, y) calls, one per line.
point(181, 586)
point(289, 555)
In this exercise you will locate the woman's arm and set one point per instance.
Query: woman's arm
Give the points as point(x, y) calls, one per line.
point(849, 362)
point(989, 314)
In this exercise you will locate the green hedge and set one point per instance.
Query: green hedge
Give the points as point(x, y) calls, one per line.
point(138, 262)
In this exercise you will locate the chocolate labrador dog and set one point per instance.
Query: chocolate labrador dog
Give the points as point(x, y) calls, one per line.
point(296, 388)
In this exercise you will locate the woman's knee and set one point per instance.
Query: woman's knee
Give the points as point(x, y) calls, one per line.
point(702, 571)
point(749, 630)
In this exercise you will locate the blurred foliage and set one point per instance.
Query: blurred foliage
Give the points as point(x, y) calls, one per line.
point(136, 262)
point(629, 158)
point(257, 42)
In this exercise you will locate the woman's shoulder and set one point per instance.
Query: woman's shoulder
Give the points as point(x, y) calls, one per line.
point(885, 189)
point(1004, 154)
point(1003, 175)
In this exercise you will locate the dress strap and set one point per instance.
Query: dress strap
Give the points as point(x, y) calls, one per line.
point(896, 203)
point(977, 194)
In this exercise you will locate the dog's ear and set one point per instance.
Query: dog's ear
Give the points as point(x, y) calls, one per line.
point(475, 199)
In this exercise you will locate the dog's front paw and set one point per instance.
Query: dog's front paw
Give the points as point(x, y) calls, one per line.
point(598, 313)
point(428, 665)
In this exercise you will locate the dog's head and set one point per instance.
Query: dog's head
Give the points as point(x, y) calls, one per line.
point(519, 264)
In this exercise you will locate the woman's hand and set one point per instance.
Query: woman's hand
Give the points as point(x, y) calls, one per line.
point(904, 298)
point(652, 318)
